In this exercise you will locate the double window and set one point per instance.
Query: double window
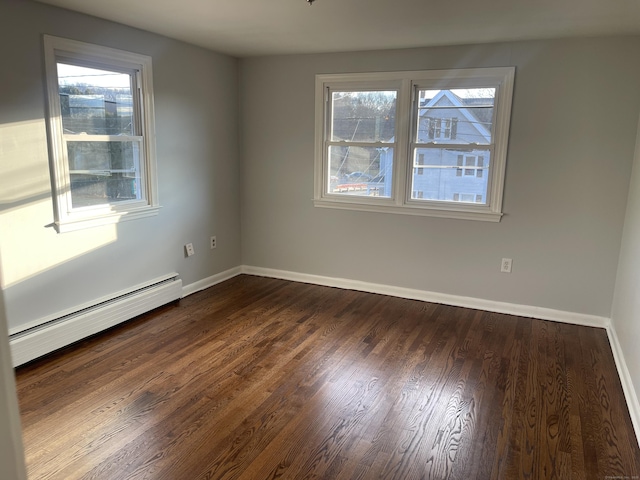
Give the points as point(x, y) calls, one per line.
point(414, 141)
point(101, 134)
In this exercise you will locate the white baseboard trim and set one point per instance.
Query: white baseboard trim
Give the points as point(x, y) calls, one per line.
point(625, 378)
point(210, 281)
point(435, 297)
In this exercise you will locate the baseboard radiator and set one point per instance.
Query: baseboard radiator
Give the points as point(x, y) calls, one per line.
point(69, 327)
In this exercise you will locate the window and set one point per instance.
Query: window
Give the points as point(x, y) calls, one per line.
point(419, 171)
point(474, 161)
point(101, 134)
point(409, 142)
point(361, 142)
point(441, 128)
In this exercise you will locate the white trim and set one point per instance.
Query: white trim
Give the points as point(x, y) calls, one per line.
point(38, 341)
point(435, 297)
point(625, 379)
point(410, 209)
point(106, 219)
point(210, 281)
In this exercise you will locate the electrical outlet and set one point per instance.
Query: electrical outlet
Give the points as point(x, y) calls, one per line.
point(505, 266)
point(189, 249)
point(213, 242)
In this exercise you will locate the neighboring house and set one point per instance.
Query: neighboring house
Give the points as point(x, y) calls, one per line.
point(449, 174)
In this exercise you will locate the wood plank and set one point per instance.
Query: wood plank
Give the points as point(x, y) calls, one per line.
point(258, 378)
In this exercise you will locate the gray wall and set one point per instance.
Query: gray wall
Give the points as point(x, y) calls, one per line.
point(196, 104)
point(12, 466)
point(575, 111)
point(626, 305)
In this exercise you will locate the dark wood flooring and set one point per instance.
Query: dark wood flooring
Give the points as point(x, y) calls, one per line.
point(258, 378)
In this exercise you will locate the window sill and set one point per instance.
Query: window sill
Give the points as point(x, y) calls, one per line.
point(421, 210)
point(111, 218)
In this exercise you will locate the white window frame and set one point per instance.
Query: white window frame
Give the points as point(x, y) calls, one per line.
point(408, 83)
point(67, 218)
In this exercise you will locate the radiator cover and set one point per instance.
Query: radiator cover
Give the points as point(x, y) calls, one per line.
point(53, 334)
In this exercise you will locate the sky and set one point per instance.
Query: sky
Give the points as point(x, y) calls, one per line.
point(75, 75)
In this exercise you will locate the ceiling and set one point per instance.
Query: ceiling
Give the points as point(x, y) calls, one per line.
point(245, 28)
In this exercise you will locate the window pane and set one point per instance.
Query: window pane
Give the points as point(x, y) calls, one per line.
point(103, 172)
point(363, 116)
point(95, 102)
point(443, 178)
point(455, 116)
point(362, 171)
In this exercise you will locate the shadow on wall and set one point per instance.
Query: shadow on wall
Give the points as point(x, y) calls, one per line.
point(27, 248)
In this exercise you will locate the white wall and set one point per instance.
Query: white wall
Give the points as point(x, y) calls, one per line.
point(626, 304)
point(196, 105)
point(12, 466)
point(575, 111)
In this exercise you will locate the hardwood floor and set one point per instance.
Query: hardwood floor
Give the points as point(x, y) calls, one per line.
point(258, 378)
